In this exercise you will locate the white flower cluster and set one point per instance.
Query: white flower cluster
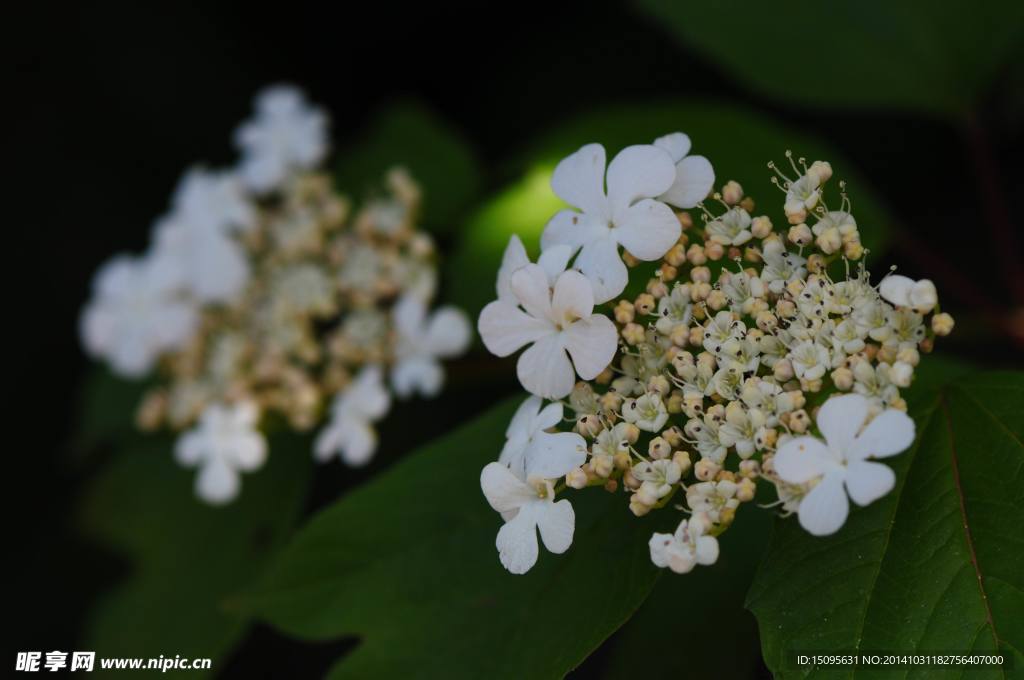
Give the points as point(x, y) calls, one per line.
point(262, 291)
point(705, 384)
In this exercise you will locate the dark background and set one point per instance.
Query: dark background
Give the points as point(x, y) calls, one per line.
point(114, 100)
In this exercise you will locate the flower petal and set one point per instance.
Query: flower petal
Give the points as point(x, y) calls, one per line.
point(579, 180)
point(505, 328)
point(504, 491)
point(591, 343)
point(896, 289)
point(694, 179)
point(573, 297)
point(648, 229)
point(530, 285)
point(639, 171)
point(707, 550)
point(866, 481)
point(544, 368)
point(554, 260)
point(448, 333)
point(800, 460)
point(249, 450)
point(601, 264)
point(525, 415)
point(217, 482)
point(840, 419)
point(659, 545)
point(421, 374)
point(675, 144)
point(889, 433)
point(557, 522)
point(517, 541)
point(553, 455)
point(409, 315)
point(823, 511)
point(514, 258)
point(571, 229)
point(358, 442)
point(547, 418)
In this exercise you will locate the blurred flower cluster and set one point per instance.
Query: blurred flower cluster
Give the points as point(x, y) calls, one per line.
point(718, 370)
point(264, 291)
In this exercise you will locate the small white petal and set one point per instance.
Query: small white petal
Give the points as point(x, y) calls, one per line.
point(707, 550)
point(504, 491)
point(530, 286)
point(648, 229)
point(600, 262)
point(579, 180)
point(823, 511)
point(557, 522)
point(676, 144)
point(249, 451)
point(592, 343)
point(553, 455)
point(639, 171)
point(505, 328)
point(517, 541)
point(514, 258)
point(217, 482)
point(421, 374)
point(840, 418)
point(544, 368)
point(359, 442)
point(554, 260)
point(448, 333)
point(866, 481)
point(896, 289)
point(573, 297)
point(571, 229)
point(694, 179)
point(550, 416)
point(889, 433)
point(524, 417)
point(800, 460)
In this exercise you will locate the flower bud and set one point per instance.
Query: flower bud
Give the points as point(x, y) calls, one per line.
point(909, 355)
point(668, 273)
point(786, 309)
point(611, 402)
point(799, 421)
point(901, 374)
point(680, 335)
point(633, 333)
point(577, 479)
point(621, 460)
point(637, 507)
point(767, 321)
point(842, 378)
point(602, 465)
point(830, 240)
point(800, 234)
point(659, 448)
point(815, 263)
point(783, 370)
point(630, 433)
point(685, 221)
point(700, 275)
point(656, 288)
point(717, 300)
point(676, 256)
point(624, 312)
point(820, 170)
point(749, 469)
point(630, 481)
point(745, 490)
point(853, 250)
point(682, 459)
point(611, 486)
point(732, 192)
point(695, 255)
point(589, 425)
point(761, 226)
point(706, 469)
point(714, 250)
point(660, 384)
point(644, 304)
point(942, 324)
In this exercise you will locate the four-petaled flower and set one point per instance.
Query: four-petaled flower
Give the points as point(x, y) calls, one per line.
point(223, 443)
point(686, 548)
point(422, 341)
point(350, 431)
point(626, 215)
point(526, 506)
point(843, 460)
point(286, 134)
point(554, 322)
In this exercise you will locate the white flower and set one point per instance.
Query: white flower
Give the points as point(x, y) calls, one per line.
point(843, 459)
point(694, 174)
point(731, 229)
point(626, 215)
point(684, 549)
point(134, 316)
point(526, 507)
point(554, 323)
point(287, 134)
point(223, 443)
point(712, 498)
point(422, 341)
point(199, 257)
point(647, 412)
point(657, 479)
point(905, 292)
point(350, 431)
point(529, 447)
point(810, 360)
point(553, 261)
point(216, 199)
point(801, 196)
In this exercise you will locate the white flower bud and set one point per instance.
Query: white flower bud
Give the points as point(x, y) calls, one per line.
point(942, 324)
point(901, 374)
point(577, 479)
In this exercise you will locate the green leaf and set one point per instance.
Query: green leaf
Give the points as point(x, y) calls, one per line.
point(933, 57)
point(408, 564)
point(738, 143)
point(410, 135)
point(699, 616)
point(184, 557)
point(935, 566)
